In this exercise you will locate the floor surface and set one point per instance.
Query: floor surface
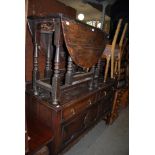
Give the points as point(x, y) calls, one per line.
point(105, 140)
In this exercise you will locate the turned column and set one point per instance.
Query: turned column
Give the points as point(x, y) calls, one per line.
point(49, 50)
point(92, 80)
point(56, 76)
point(68, 79)
point(97, 72)
point(35, 72)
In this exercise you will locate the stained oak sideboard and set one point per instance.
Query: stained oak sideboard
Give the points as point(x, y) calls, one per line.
point(72, 96)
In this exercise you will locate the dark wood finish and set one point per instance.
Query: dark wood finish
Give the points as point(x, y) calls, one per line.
point(86, 50)
point(75, 114)
point(56, 76)
point(49, 52)
point(97, 72)
point(125, 98)
point(93, 77)
point(35, 74)
point(69, 71)
point(37, 8)
point(39, 136)
point(73, 99)
point(26, 139)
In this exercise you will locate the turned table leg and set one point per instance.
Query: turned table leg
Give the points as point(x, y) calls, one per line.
point(48, 65)
point(56, 77)
point(92, 80)
point(35, 72)
point(68, 79)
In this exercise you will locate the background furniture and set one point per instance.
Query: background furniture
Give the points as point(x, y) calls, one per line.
point(120, 50)
point(121, 99)
point(110, 52)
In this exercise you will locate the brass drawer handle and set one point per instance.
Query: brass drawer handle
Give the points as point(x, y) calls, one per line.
point(28, 138)
point(90, 102)
point(73, 111)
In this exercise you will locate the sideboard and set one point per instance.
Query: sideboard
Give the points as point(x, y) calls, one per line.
point(72, 96)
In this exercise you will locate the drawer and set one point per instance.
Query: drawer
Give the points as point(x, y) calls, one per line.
point(72, 128)
point(77, 107)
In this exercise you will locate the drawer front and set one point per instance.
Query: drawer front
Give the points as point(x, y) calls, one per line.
point(72, 128)
point(77, 107)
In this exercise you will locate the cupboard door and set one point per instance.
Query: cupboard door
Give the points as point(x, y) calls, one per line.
point(72, 128)
point(91, 115)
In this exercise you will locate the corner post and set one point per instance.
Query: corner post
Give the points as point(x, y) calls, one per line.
point(56, 76)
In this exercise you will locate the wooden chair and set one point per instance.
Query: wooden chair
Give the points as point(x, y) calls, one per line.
point(121, 47)
point(121, 99)
point(114, 53)
point(110, 51)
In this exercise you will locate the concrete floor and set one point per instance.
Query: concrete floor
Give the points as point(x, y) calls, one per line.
point(105, 140)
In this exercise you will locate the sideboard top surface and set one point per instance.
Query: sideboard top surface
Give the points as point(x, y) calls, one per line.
point(75, 94)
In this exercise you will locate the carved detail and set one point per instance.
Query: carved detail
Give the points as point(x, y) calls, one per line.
point(48, 27)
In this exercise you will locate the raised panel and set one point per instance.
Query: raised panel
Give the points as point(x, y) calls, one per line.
point(45, 115)
point(91, 115)
point(72, 128)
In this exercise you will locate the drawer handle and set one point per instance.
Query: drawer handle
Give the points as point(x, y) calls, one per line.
point(105, 93)
point(28, 138)
point(90, 102)
point(73, 111)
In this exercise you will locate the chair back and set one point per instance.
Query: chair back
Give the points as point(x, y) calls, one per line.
point(113, 46)
point(124, 50)
point(123, 42)
point(123, 35)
